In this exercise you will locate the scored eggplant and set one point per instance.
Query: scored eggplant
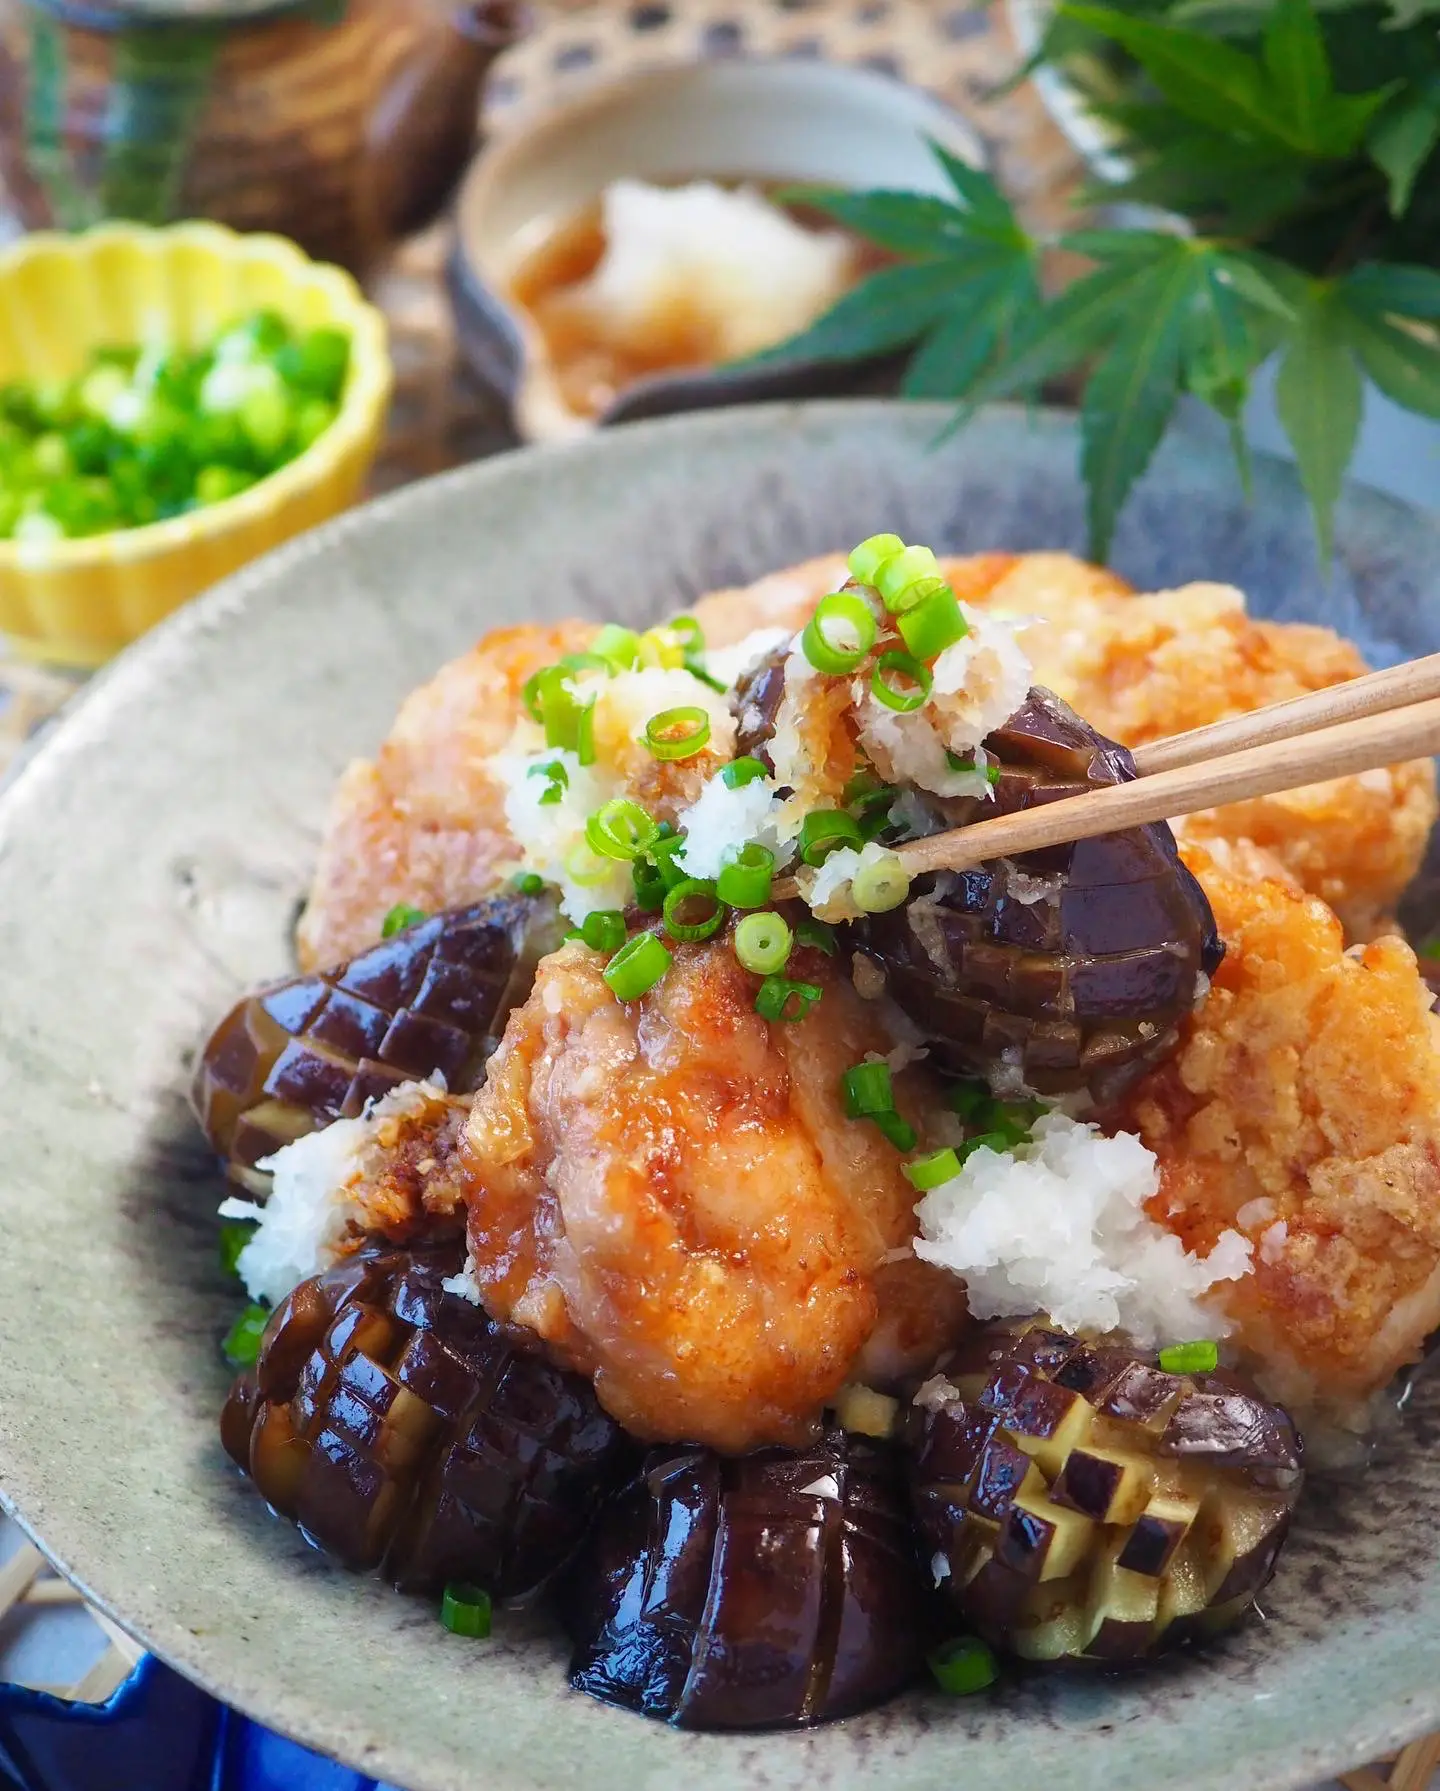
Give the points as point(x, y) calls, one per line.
point(773, 1589)
point(432, 1000)
point(1060, 970)
point(1081, 1503)
point(392, 1422)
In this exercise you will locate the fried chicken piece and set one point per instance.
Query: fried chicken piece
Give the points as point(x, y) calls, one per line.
point(1303, 1109)
point(668, 1193)
point(1139, 668)
point(424, 822)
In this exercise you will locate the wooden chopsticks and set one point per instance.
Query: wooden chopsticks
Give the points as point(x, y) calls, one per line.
point(1369, 723)
point(1414, 682)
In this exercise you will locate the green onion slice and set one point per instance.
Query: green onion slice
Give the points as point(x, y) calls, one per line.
point(928, 1172)
point(963, 1666)
point(999, 1142)
point(973, 1101)
point(637, 967)
point(892, 666)
point(400, 918)
point(698, 670)
point(871, 554)
point(993, 773)
point(618, 647)
point(527, 883)
point(682, 921)
point(866, 1090)
point(762, 942)
point(688, 632)
point(780, 999)
point(662, 853)
point(899, 1131)
point(242, 1341)
point(1191, 1358)
point(620, 829)
point(603, 929)
point(934, 624)
point(881, 885)
point(586, 867)
point(740, 772)
point(896, 577)
point(816, 933)
point(839, 634)
point(649, 886)
point(826, 830)
point(234, 1236)
point(465, 1610)
point(746, 876)
point(677, 733)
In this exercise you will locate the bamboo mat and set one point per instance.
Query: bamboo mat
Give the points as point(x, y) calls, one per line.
point(441, 419)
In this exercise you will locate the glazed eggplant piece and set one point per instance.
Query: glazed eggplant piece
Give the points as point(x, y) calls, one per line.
point(1083, 1504)
point(394, 1423)
point(434, 998)
point(1060, 970)
point(766, 1590)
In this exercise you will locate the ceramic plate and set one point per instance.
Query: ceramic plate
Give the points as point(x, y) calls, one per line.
point(151, 857)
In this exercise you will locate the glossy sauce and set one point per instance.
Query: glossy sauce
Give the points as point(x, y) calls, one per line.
point(592, 361)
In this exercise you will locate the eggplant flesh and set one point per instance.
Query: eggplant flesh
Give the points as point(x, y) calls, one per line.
point(1057, 971)
point(1083, 1504)
point(401, 1431)
point(432, 1000)
point(770, 1590)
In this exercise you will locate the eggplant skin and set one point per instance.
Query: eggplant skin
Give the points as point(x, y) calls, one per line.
point(401, 1431)
point(291, 1058)
point(778, 1589)
point(1065, 969)
point(1084, 1505)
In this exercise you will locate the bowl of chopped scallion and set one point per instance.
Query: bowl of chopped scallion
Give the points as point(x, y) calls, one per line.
point(173, 403)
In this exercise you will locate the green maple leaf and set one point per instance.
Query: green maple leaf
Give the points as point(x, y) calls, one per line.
point(1319, 394)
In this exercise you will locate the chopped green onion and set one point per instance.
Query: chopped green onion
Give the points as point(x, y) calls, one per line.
point(1000, 1142)
point(826, 830)
point(585, 735)
point(896, 577)
point(650, 886)
point(839, 634)
point(637, 967)
point(677, 733)
point(531, 692)
point(620, 829)
point(558, 781)
point(762, 942)
point(864, 789)
point(688, 632)
point(242, 1341)
point(662, 853)
point(889, 667)
point(899, 1131)
point(871, 554)
point(866, 1090)
point(234, 1236)
point(810, 931)
point(972, 1101)
point(682, 898)
point(603, 929)
point(776, 995)
point(706, 677)
point(875, 821)
point(746, 876)
point(881, 885)
point(1190, 1358)
point(573, 934)
point(465, 1611)
point(585, 867)
point(562, 717)
point(934, 624)
point(740, 772)
point(527, 883)
point(993, 773)
point(400, 918)
point(618, 647)
point(963, 1666)
point(657, 647)
point(585, 662)
point(928, 1172)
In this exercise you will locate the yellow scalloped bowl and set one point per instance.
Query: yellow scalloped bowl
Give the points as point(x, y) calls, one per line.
point(80, 602)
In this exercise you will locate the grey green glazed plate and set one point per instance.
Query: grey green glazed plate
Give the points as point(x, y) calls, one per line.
point(151, 856)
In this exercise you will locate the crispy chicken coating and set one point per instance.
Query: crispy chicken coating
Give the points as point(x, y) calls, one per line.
point(1303, 1109)
point(424, 822)
point(668, 1193)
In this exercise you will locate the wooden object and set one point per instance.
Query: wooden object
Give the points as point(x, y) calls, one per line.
point(369, 116)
